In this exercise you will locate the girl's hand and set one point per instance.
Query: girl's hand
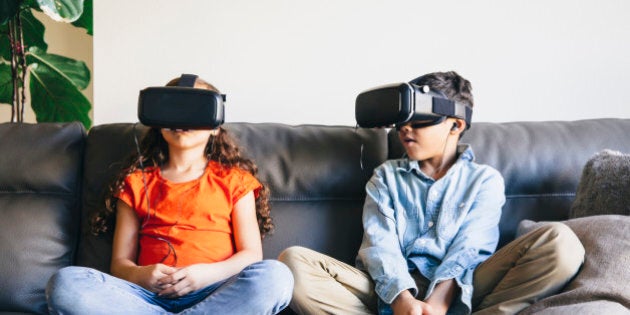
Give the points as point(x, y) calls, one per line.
point(188, 279)
point(149, 276)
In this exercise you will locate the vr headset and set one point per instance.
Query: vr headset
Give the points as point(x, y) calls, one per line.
point(181, 107)
point(399, 103)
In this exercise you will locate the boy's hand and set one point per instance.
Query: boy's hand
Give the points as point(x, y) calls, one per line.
point(148, 276)
point(406, 304)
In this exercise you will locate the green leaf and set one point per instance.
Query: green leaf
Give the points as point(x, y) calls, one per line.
point(33, 31)
point(62, 10)
point(55, 96)
point(5, 47)
point(6, 84)
point(8, 9)
point(73, 70)
point(31, 4)
point(86, 19)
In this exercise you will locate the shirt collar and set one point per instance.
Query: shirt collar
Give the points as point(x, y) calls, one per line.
point(464, 153)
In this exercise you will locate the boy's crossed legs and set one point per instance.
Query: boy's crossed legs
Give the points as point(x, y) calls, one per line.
point(534, 266)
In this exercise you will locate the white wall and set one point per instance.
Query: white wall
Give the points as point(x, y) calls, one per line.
point(305, 61)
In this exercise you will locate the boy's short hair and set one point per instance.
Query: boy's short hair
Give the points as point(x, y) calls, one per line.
point(451, 84)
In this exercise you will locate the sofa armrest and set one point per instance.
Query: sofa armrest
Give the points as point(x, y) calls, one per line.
point(40, 189)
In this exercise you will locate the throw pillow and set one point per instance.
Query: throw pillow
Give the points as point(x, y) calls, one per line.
point(604, 186)
point(603, 283)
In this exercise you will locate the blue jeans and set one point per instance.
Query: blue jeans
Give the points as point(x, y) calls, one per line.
point(264, 287)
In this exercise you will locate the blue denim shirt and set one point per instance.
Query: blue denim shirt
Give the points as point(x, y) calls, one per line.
point(442, 228)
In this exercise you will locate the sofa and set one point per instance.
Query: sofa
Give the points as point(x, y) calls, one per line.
point(53, 176)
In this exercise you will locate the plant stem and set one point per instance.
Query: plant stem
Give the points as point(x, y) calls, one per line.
point(22, 63)
point(18, 68)
point(14, 93)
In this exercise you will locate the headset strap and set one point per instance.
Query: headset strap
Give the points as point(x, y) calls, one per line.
point(187, 80)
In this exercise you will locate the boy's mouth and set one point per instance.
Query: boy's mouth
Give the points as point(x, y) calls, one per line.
point(408, 140)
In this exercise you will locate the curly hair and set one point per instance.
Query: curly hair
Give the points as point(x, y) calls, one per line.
point(154, 153)
point(451, 84)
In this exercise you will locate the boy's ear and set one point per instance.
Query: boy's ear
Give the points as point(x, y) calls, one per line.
point(459, 125)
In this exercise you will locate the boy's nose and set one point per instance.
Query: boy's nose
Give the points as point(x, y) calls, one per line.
point(404, 128)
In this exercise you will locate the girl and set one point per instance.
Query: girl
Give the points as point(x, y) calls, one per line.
point(190, 214)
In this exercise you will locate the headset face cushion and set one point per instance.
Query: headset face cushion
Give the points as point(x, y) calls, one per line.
point(180, 108)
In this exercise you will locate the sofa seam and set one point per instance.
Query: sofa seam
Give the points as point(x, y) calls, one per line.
point(550, 195)
point(509, 196)
point(30, 192)
point(316, 199)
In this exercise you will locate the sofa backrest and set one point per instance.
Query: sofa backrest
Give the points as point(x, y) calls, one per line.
point(316, 175)
point(40, 193)
point(107, 146)
point(541, 162)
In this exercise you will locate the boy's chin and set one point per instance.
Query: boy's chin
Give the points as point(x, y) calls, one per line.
point(416, 156)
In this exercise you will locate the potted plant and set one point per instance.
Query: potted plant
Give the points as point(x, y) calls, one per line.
point(54, 82)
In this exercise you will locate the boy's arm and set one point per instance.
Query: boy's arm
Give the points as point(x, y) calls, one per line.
point(380, 251)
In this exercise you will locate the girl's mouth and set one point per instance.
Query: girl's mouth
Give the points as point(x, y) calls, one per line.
point(177, 130)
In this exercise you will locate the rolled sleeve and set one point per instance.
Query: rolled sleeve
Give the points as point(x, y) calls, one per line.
point(380, 251)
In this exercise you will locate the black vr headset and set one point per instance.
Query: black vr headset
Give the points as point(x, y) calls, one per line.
point(399, 103)
point(181, 107)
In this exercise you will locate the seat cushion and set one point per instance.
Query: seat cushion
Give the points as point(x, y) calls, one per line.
point(603, 283)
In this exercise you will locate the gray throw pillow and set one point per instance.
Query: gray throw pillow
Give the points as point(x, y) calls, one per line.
point(604, 187)
point(603, 283)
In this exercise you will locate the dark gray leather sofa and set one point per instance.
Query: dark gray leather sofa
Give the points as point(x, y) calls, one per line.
point(52, 177)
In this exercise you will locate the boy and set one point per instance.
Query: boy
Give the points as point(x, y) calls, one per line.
point(430, 227)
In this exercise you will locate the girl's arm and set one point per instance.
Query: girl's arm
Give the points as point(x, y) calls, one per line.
point(248, 250)
point(125, 250)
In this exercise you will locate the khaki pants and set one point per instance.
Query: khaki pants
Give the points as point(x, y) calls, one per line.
point(532, 267)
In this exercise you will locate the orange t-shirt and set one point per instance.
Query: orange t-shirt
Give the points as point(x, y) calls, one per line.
point(195, 217)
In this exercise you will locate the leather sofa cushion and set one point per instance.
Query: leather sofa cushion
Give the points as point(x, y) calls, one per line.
point(40, 189)
point(317, 176)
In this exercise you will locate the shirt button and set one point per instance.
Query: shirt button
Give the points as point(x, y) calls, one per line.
point(461, 205)
point(430, 223)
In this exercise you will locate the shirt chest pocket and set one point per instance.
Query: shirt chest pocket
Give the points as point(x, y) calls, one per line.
point(450, 218)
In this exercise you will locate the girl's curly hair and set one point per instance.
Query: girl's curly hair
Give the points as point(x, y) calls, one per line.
point(154, 152)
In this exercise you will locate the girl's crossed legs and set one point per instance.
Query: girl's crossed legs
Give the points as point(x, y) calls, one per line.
point(264, 287)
